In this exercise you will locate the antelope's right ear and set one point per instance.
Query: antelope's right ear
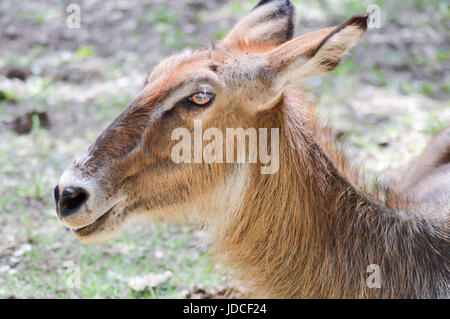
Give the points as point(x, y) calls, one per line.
point(269, 24)
point(315, 53)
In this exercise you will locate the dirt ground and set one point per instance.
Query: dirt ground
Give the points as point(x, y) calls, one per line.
point(59, 87)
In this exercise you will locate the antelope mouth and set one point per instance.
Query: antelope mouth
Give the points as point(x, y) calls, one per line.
point(94, 226)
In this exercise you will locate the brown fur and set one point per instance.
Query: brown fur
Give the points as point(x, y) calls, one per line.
point(309, 232)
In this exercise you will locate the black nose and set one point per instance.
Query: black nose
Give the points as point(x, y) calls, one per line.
point(70, 201)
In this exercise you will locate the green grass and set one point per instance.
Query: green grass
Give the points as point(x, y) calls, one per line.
point(84, 52)
point(427, 89)
point(172, 37)
point(380, 76)
point(436, 124)
point(164, 15)
point(106, 269)
point(40, 16)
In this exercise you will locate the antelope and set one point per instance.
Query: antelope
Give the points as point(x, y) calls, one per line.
point(310, 230)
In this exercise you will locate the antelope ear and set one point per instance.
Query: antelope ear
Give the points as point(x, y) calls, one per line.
point(314, 53)
point(270, 23)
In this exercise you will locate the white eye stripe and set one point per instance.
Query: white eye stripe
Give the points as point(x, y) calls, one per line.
point(187, 91)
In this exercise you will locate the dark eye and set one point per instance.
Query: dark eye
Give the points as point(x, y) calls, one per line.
point(201, 98)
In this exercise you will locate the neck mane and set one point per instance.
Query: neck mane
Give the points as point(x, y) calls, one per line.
point(309, 231)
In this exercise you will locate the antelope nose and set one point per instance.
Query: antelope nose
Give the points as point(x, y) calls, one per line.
point(70, 200)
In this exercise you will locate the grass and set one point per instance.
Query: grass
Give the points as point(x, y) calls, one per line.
point(436, 124)
point(172, 37)
point(40, 16)
point(105, 269)
point(164, 15)
point(380, 76)
point(83, 52)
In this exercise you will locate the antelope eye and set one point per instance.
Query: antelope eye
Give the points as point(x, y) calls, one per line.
point(201, 98)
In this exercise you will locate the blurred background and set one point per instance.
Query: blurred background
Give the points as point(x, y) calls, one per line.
point(60, 86)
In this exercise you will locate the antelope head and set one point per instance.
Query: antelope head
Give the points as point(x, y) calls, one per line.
point(130, 171)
